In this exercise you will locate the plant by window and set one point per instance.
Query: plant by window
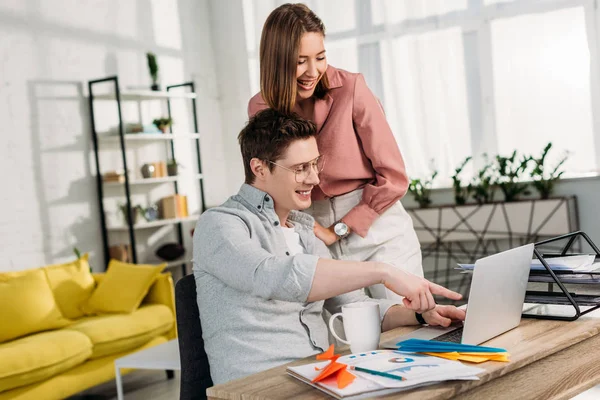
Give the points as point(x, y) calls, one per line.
point(421, 190)
point(544, 181)
point(461, 193)
point(483, 184)
point(509, 171)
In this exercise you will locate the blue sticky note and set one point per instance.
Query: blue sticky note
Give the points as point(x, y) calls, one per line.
point(432, 346)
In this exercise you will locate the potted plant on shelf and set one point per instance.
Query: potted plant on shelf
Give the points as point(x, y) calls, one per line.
point(136, 212)
point(163, 123)
point(172, 167)
point(153, 69)
point(509, 173)
point(461, 193)
point(542, 181)
point(421, 190)
point(482, 186)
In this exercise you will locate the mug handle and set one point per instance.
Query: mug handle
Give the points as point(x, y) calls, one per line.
point(333, 317)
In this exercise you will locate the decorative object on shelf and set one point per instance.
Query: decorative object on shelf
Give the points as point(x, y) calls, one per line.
point(134, 128)
point(170, 251)
point(172, 167)
point(482, 186)
point(160, 169)
point(461, 193)
point(509, 172)
point(421, 190)
point(543, 181)
point(150, 213)
point(174, 206)
point(163, 123)
point(136, 210)
point(148, 170)
point(153, 69)
point(113, 176)
point(121, 252)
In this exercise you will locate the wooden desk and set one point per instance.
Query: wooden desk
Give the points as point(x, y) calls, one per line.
point(549, 360)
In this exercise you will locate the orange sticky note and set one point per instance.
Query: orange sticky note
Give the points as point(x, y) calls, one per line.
point(331, 369)
point(328, 355)
point(472, 357)
point(334, 368)
point(344, 378)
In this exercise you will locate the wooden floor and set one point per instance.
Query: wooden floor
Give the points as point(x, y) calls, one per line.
point(154, 385)
point(138, 385)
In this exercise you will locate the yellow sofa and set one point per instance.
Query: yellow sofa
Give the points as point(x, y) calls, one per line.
point(80, 352)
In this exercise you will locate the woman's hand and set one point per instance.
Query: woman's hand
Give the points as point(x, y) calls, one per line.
point(327, 235)
point(444, 315)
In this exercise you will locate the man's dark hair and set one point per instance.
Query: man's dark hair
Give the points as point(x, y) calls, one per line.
point(267, 136)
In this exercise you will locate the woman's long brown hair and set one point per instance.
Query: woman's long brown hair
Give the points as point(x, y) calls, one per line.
point(279, 48)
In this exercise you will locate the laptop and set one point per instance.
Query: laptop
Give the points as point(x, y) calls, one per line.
point(495, 301)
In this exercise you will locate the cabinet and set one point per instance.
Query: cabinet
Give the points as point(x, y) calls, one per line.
point(119, 185)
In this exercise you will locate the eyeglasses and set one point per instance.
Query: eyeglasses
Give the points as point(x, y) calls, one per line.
point(302, 171)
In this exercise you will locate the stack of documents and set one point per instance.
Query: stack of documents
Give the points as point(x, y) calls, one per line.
point(454, 351)
point(381, 372)
point(572, 264)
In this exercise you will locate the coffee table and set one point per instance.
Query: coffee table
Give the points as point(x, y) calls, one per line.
point(165, 356)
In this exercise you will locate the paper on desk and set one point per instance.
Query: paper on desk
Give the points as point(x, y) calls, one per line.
point(418, 369)
point(568, 263)
point(580, 262)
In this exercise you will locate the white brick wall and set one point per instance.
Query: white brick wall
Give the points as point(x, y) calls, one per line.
point(48, 199)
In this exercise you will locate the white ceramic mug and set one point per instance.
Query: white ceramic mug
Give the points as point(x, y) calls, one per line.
point(361, 325)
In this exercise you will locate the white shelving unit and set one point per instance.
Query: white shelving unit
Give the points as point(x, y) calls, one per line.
point(147, 137)
point(122, 142)
point(154, 181)
point(153, 224)
point(139, 95)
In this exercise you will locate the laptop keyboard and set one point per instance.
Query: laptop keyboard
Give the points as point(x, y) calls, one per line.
point(454, 336)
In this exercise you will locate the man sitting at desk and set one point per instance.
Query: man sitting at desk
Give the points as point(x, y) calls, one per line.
point(262, 276)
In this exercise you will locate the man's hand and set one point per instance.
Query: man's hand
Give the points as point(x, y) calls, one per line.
point(444, 315)
point(418, 292)
point(327, 235)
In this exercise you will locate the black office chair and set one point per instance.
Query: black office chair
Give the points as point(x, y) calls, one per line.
point(195, 371)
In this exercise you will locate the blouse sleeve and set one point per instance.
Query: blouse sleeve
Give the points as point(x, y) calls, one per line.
point(380, 147)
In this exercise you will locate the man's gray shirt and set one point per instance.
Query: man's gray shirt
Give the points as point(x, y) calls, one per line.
point(252, 293)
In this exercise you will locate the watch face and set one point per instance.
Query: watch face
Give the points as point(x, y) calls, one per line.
point(340, 229)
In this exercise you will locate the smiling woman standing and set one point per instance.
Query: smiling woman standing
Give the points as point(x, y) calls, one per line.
point(356, 206)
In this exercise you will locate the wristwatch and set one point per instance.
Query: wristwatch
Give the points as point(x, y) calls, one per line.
point(341, 229)
point(420, 318)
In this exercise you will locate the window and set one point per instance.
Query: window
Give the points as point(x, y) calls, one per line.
point(542, 85)
point(460, 78)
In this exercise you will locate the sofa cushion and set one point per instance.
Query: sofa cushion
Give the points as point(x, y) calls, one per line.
point(72, 284)
point(113, 333)
point(28, 305)
point(37, 357)
point(123, 288)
